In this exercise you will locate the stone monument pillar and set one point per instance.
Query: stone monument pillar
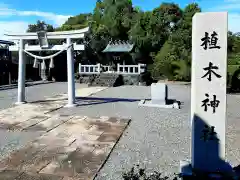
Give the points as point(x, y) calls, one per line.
point(208, 92)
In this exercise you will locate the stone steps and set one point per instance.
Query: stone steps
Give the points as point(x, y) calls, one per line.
point(104, 80)
point(108, 79)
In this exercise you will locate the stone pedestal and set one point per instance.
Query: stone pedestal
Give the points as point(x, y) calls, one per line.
point(159, 98)
point(159, 93)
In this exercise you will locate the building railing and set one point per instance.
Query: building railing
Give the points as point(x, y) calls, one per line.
point(121, 69)
point(89, 69)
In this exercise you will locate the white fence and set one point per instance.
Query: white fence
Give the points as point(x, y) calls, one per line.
point(121, 69)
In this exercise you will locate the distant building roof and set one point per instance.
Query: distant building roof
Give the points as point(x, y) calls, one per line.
point(119, 46)
point(6, 42)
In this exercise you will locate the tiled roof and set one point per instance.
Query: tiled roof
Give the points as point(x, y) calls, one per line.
point(119, 46)
point(6, 42)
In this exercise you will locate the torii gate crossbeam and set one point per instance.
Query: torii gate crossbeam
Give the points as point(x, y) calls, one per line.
point(23, 47)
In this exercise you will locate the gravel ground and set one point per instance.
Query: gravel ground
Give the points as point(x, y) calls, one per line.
point(157, 138)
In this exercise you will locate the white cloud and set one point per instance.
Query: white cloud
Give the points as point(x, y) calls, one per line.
point(57, 19)
point(21, 26)
point(14, 26)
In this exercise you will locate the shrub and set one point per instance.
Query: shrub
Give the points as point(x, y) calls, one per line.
point(140, 174)
point(144, 77)
point(77, 76)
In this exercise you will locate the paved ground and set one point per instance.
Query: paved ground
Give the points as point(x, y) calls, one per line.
point(69, 147)
point(13, 86)
point(157, 138)
point(34, 93)
point(12, 140)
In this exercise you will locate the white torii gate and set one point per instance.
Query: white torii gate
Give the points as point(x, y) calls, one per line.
point(22, 47)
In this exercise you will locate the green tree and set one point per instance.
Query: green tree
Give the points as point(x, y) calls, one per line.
point(117, 17)
point(162, 37)
point(76, 22)
point(151, 29)
point(111, 20)
point(40, 26)
point(177, 53)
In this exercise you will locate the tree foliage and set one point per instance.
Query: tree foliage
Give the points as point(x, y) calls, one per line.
point(40, 26)
point(162, 37)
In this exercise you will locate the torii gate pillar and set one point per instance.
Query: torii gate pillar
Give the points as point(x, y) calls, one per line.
point(21, 74)
point(70, 72)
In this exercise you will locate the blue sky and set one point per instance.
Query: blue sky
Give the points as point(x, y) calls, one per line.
point(15, 15)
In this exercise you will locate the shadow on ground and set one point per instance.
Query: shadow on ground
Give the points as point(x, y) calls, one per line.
point(206, 153)
point(84, 101)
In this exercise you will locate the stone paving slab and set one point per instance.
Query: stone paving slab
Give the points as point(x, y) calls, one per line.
point(20, 117)
point(30, 176)
point(71, 148)
point(89, 91)
point(50, 123)
point(16, 158)
point(31, 122)
point(9, 174)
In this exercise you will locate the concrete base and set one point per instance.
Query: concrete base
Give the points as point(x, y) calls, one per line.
point(19, 103)
point(146, 103)
point(187, 171)
point(185, 168)
point(70, 105)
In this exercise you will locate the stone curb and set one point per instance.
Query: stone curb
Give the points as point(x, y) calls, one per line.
point(91, 92)
point(175, 82)
point(13, 86)
point(97, 91)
